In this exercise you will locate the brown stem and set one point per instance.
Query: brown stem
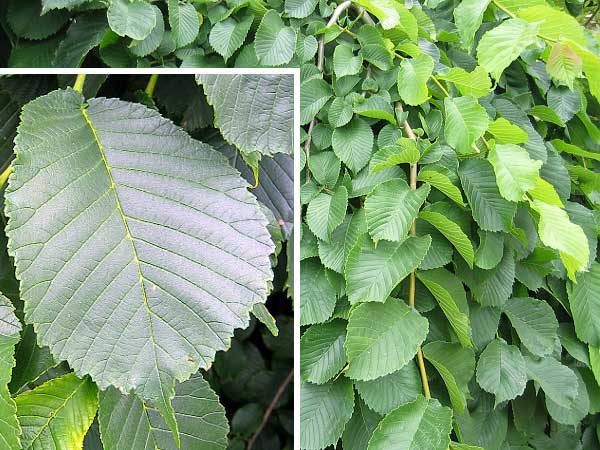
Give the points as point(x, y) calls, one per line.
point(271, 407)
point(594, 13)
point(412, 287)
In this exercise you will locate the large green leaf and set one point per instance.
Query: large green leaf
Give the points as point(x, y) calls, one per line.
point(314, 94)
point(324, 411)
point(82, 36)
point(184, 22)
point(26, 20)
point(422, 424)
point(253, 112)
point(468, 16)
point(439, 180)
point(578, 408)
point(391, 209)
point(135, 19)
point(490, 210)
point(456, 366)
point(10, 328)
point(145, 243)
point(476, 83)
point(584, 298)
point(317, 294)
point(58, 413)
point(447, 219)
point(322, 353)
point(333, 254)
point(558, 382)
point(300, 8)
point(353, 143)
point(412, 79)
point(153, 40)
point(275, 42)
point(373, 271)
point(344, 61)
point(385, 10)
point(506, 132)
point(493, 287)
point(535, 323)
point(382, 338)
point(515, 171)
point(466, 121)
point(228, 35)
point(386, 393)
point(126, 422)
point(326, 212)
point(450, 294)
point(501, 371)
point(558, 232)
point(502, 45)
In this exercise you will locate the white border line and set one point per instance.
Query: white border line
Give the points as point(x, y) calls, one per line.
point(297, 150)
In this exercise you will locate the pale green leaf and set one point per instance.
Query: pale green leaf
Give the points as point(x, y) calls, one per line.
point(506, 132)
point(376, 107)
point(546, 114)
point(382, 338)
point(404, 151)
point(344, 61)
point(314, 94)
point(152, 41)
point(58, 413)
point(558, 382)
point(476, 83)
point(564, 65)
point(385, 10)
point(558, 232)
point(468, 16)
point(515, 171)
point(412, 79)
point(184, 21)
point(300, 8)
point(466, 121)
point(554, 25)
point(500, 46)
point(571, 149)
point(333, 254)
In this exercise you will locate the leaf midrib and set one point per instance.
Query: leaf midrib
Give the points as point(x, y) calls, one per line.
point(136, 258)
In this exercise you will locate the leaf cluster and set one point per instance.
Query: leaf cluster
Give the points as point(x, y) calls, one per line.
point(150, 250)
point(449, 272)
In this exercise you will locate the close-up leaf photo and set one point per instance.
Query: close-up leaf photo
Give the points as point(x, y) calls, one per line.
point(146, 263)
point(440, 209)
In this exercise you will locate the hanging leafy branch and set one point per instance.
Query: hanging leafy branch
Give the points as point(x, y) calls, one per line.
point(449, 241)
point(138, 251)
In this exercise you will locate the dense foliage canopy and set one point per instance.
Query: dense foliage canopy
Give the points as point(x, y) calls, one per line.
point(450, 282)
point(138, 249)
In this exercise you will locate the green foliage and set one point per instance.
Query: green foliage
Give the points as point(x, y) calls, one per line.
point(152, 253)
point(450, 222)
